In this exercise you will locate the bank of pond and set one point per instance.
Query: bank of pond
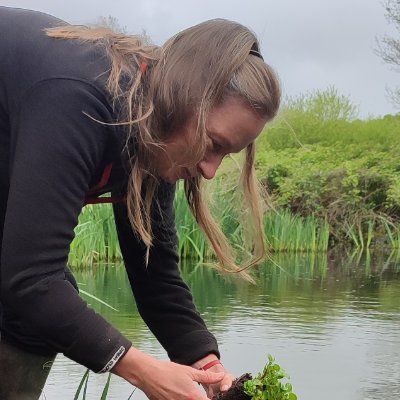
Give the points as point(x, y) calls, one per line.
point(330, 180)
point(96, 238)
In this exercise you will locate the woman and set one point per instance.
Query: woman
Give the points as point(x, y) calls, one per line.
point(84, 112)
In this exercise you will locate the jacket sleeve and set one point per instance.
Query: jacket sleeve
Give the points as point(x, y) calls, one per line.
point(56, 152)
point(163, 299)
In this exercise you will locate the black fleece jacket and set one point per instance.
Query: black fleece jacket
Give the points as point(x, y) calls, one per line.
point(51, 155)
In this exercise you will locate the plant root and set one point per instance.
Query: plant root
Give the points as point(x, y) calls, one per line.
point(236, 391)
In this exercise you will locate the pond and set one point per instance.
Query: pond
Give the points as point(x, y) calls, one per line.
point(331, 321)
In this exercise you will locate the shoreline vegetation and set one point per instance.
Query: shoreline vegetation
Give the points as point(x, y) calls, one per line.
point(333, 180)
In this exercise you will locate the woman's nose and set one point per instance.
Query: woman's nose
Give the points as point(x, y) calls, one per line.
point(208, 167)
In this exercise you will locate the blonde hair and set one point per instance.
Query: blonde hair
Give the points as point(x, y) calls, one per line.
point(192, 72)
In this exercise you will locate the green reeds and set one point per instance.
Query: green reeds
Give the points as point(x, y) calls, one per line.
point(95, 237)
point(192, 242)
point(356, 235)
point(83, 384)
point(290, 233)
point(393, 235)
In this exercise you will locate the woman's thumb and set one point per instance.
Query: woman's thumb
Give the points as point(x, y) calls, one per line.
point(207, 376)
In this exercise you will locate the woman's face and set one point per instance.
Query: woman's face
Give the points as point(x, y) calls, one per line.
point(231, 127)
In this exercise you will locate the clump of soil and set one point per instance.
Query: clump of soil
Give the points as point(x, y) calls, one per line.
point(236, 391)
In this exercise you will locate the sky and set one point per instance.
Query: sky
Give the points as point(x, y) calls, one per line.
point(312, 44)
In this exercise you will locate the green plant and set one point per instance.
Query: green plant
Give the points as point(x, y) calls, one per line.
point(84, 384)
point(95, 237)
point(333, 180)
point(268, 386)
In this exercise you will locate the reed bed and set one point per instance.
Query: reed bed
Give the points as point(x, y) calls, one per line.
point(393, 234)
point(290, 233)
point(317, 159)
point(333, 179)
point(96, 238)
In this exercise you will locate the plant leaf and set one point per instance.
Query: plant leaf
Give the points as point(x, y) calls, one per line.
point(84, 378)
point(97, 299)
point(105, 390)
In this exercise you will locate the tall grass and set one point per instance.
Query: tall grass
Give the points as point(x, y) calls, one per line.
point(318, 160)
point(334, 179)
point(96, 239)
point(192, 242)
point(393, 234)
point(290, 233)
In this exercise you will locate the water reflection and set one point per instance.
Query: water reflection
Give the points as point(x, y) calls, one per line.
point(332, 321)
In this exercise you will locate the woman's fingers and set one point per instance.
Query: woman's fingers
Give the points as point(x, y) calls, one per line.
point(207, 377)
point(170, 381)
point(178, 383)
point(164, 380)
point(226, 382)
point(221, 386)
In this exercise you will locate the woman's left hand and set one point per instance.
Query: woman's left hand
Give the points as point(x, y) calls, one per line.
point(223, 385)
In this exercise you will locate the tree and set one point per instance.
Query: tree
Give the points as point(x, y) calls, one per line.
point(323, 105)
point(389, 47)
point(113, 23)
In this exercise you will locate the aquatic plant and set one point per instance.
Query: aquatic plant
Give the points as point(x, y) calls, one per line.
point(268, 384)
point(333, 180)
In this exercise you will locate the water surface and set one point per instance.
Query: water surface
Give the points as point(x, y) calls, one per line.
point(332, 322)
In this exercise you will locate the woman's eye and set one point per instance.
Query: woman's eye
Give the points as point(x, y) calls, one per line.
point(217, 148)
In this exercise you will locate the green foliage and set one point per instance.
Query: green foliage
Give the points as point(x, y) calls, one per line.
point(332, 179)
point(104, 393)
point(95, 237)
point(192, 242)
point(342, 171)
point(287, 232)
point(268, 386)
point(83, 384)
point(335, 184)
point(323, 105)
point(303, 119)
point(106, 387)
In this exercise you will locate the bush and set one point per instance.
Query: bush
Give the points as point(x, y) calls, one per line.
point(316, 160)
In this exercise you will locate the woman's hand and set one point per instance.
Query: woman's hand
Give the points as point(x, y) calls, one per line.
point(164, 380)
point(213, 388)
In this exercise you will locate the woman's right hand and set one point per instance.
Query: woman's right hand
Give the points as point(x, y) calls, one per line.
point(163, 380)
